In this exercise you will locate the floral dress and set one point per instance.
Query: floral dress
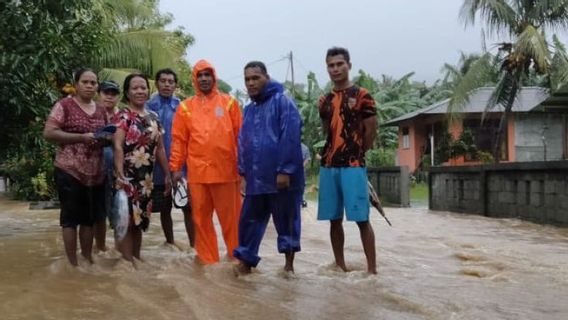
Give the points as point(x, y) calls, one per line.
point(141, 140)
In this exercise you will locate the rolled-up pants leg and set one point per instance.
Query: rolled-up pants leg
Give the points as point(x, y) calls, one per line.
point(227, 204)
point(252, 225)
point(286, 208)
point(205, 235)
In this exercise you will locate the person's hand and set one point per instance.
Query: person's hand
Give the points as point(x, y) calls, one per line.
point(168, 186)
point(282, 181)
point(121, 181)
point(88, 138)
point(176, 177)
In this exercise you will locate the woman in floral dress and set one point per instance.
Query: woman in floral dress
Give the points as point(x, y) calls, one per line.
point(137, 144)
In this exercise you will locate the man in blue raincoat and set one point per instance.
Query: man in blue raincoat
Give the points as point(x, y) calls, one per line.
point(271, 167)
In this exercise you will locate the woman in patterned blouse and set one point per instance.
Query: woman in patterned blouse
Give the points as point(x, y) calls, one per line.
point(78, 162)
point(137, 144)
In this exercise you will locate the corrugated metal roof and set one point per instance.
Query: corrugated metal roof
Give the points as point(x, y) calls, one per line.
point(527, 99)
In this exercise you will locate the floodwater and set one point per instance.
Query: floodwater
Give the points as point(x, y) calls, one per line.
point(432, 265)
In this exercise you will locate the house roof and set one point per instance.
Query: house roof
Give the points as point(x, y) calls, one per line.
point(557, 102)
point(527, 99)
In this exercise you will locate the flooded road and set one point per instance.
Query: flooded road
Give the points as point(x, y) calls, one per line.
point(432, 265)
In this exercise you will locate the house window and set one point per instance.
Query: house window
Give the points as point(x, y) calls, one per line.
point(484, 136)
point(405, 138)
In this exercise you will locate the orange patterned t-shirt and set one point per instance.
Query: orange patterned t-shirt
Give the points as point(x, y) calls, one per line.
point(343, 113)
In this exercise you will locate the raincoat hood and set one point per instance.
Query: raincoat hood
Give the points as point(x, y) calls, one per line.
point(271, 88)
point(198, 67)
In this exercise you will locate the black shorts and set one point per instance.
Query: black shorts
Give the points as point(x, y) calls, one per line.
point(161, 202)
point(80, 204)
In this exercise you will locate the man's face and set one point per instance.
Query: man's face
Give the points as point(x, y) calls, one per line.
point(255, 80)
point(205, 80)
point(166, 85)
point(338, 68)
point(109, 99)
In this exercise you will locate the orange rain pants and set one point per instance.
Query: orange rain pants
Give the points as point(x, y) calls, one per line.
point(225, 199)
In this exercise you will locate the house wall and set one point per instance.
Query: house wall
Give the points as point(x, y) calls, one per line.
point(407, 157)
point(420, 140)
point(528, 137)
point(511, 151)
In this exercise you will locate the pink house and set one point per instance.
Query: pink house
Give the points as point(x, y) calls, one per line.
point(535, 131)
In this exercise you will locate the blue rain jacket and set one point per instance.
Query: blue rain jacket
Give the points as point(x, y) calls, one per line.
point(269, 142)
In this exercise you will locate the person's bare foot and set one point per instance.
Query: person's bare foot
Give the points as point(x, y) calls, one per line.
point(241, 269)
point(98, 250)
point(89, 258)
point(289, 265)
point(342, 267)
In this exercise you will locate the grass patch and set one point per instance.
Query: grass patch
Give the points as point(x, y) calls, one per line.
point(419, 194)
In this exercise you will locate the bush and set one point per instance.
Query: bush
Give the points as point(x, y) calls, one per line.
point(484, 157)
point(30, 167)
point(380, 157)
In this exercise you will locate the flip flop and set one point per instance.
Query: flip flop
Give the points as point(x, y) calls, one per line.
point(179, 193)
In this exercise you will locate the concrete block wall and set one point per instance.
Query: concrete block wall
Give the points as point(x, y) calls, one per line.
point(536, 191)
point(392, 184)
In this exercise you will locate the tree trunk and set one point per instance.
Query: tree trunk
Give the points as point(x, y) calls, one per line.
point(502, 121)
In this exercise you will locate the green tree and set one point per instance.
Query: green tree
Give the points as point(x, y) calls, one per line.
point(526, 51)
point(41, 42)
point(140, 42)
point(306, 98)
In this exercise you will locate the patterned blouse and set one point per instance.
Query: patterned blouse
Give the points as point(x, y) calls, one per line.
point(81, 160)
point(142, 134)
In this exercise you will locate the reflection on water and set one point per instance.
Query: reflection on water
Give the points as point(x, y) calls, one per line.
point(431, 266)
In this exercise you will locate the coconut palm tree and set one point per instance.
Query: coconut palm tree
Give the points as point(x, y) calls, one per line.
point(139, 40)
point(525, 51)
point(559, 72)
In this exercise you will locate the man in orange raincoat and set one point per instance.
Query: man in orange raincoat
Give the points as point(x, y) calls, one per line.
point(204, 136)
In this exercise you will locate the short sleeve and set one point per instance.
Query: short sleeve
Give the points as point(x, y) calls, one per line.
point(368, 106)
point(56, 117)
point(121, 120)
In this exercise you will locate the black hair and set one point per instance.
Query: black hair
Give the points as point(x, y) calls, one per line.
point(79, 72)
point(257, 64)
point(335, 51)
point(166, 71)
point(127, 81)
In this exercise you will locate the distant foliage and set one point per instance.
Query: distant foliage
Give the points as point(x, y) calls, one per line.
point(380, 158)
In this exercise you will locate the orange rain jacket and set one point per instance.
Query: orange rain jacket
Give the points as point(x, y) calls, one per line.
point(204, 134)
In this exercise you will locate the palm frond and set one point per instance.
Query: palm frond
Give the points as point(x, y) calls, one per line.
point(145, 50)
point(552, 14)
point(497, 14)
point(118, 76)
point(505, 92)
point(477, 76)
point(532, 44)
point(559, 63)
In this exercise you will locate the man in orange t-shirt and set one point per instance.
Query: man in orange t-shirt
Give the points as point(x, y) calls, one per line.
point(349, 121)
point(204, 136)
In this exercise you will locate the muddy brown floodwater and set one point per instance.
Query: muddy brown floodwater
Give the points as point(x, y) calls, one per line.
point(432, 265)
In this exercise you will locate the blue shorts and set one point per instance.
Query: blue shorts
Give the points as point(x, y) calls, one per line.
point(343, 188)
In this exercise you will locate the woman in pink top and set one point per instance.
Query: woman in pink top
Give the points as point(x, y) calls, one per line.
point(78, 163)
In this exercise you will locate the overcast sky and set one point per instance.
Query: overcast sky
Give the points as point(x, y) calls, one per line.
point(391, 37)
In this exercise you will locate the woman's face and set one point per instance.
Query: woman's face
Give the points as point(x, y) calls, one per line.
point(87, 85)
point(138, 91)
